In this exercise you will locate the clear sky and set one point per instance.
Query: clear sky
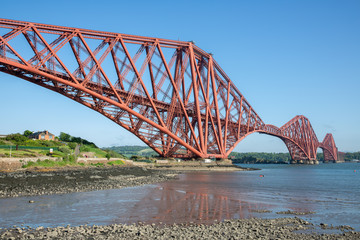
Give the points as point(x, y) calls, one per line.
point(288, 58)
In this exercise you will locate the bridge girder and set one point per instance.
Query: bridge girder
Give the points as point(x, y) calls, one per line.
point(301, 141)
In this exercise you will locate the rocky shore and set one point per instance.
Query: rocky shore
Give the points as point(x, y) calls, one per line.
point(282, 228)
point(59, 181)
point(45, 181)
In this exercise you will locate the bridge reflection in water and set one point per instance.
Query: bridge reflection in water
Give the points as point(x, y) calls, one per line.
point(176, 207)
point(170, 204)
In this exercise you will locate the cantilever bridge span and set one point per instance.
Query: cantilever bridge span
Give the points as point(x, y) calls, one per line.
point(171, 94)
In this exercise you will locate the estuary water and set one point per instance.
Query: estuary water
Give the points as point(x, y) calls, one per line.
point(330, 193)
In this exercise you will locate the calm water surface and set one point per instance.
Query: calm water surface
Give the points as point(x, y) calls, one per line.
point(332, 191)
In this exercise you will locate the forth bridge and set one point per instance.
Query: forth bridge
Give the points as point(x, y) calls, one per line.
point(170, 94)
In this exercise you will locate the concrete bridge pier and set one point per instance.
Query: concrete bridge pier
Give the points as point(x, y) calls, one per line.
point(306, 161)
point(330, 161)
point(313, 162)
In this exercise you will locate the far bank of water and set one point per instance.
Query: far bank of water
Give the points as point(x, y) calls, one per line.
point(330, 190)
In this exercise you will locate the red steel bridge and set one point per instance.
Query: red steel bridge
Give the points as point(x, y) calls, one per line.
point(171, 94)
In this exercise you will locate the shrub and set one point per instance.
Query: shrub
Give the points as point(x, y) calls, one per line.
point(136, 158)
point(113, 154)
point(69, 158)
point(47, 163)
point(117, 162)
point(72, 145)
point(46, 143)
point(65, 149)
point(85, 148)
point(17, 138)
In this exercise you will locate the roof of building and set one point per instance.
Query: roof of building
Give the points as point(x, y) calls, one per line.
point(36, 134)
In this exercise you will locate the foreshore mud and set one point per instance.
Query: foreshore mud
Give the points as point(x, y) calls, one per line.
point(45, 181)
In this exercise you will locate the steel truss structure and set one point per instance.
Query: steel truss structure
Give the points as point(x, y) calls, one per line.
point(301, 141)
point(171, 94)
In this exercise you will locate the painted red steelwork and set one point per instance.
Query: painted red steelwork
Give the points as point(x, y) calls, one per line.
point(329, 148)
point(170, 94)
point(301, 141)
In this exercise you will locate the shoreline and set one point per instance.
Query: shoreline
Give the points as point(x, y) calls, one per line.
point(46, 181)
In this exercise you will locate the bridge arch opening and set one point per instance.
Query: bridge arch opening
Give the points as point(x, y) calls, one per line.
point(257, 142)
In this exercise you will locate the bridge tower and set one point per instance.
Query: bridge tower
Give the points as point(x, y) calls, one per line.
point(329, 149)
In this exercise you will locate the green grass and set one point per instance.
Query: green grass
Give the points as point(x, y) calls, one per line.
point(116, 162)
point(98, 152)
point(23, 153)
point(49, 163)
point(62, 163)
point(147, 152)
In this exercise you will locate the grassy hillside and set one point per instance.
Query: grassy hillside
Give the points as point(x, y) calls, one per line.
point(18, 145)
point(129, 151)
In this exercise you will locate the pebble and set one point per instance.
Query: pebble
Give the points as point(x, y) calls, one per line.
point(281, 228)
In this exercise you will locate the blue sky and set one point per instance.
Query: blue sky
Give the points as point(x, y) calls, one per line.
point(288, 58)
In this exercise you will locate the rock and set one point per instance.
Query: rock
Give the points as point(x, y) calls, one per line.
point(30, 236)
point(323, 225)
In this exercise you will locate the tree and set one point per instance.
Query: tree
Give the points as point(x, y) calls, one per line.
point(27, 133)
point(64, 137)
point(72, 145)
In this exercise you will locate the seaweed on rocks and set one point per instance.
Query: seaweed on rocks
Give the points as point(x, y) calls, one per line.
point(35, 182)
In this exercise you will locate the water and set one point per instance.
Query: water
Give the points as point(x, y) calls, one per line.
point(330, 190)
